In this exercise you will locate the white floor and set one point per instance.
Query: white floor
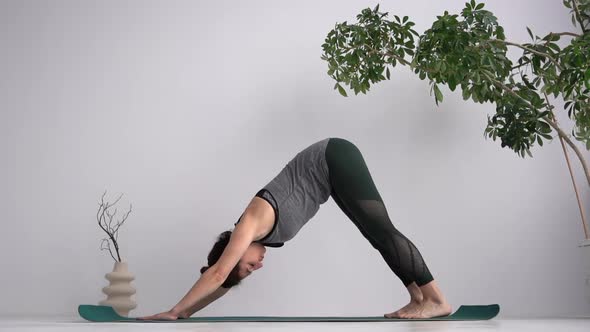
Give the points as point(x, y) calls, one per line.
point(505, 325)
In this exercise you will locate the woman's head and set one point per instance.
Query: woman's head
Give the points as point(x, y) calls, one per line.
point(250, 261)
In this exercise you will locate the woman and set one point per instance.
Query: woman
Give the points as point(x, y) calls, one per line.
point(331, 167)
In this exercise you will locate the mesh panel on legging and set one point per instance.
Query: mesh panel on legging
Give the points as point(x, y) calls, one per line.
point(400, 254)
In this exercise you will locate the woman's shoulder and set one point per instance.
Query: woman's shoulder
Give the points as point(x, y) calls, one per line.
point(260, 215)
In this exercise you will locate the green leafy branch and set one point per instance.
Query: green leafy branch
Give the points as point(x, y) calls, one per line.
point(468, 51)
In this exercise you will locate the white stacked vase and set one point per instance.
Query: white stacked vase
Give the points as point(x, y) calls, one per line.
point(119, 290)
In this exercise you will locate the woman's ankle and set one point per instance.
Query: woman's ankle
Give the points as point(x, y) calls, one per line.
point(415, 293)
point(431, 293)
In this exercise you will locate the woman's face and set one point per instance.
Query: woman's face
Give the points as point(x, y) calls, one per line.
point(252, 259)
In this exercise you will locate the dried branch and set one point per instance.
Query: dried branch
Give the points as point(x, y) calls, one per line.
point(108, 247)
point(121, 222)
point(105, 221)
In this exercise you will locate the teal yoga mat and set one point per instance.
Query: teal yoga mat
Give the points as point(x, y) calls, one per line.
point(97, 313)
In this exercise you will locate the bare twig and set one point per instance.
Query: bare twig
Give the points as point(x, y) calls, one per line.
point(99, 214)
point(107, 248)
point(120, 223)
point(105, 221)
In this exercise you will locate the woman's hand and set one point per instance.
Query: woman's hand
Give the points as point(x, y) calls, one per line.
point(168, 315)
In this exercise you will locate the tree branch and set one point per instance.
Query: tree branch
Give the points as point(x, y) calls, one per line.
point(374, 51)
point(569, 166)
point(400, 60)
point(573, 34)
point(530, 50)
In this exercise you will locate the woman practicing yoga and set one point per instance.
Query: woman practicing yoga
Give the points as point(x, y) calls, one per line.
point(331, 167)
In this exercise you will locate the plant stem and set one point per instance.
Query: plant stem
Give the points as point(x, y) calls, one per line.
point(569, 166)
point(530, 50)
point(573, 34)
point(400, 60)
point(578, 16)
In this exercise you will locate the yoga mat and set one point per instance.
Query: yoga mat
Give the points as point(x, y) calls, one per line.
point(97, 313)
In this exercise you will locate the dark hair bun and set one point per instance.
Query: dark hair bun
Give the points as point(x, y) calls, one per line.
point(224, 236)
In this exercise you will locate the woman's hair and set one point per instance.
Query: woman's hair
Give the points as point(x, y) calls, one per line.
point(233, 279)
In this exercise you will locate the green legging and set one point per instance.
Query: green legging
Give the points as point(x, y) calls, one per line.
point(356, 195)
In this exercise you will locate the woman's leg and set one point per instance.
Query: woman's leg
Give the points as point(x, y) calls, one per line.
point(387, 248)
point(355, 193)
point(413, 289)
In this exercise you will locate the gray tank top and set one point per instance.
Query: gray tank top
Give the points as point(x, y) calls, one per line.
point(296, 193)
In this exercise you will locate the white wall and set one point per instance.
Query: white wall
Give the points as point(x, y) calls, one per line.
point(188, 108)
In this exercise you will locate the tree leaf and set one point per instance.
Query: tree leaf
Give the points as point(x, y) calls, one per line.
point(530, 33)
point(438, 96)
point(466, 94)
point(341, 90)
point(554, 47)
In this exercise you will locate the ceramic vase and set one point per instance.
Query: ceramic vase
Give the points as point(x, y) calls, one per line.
point(119, 290)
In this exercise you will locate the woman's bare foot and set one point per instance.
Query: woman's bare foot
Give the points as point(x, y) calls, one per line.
point(427, 309)
point(401, 313)
point(433, 304)
point(415, 301)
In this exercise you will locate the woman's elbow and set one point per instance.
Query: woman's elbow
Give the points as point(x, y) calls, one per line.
point(216, 274)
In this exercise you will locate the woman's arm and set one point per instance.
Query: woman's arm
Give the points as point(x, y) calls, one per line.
point(213, 278)
point(205, 286)
point(209, 281)
point(206, 301)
